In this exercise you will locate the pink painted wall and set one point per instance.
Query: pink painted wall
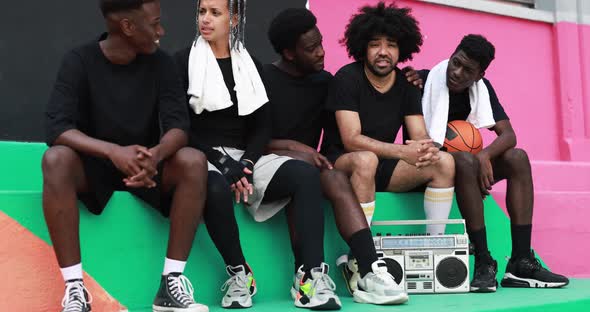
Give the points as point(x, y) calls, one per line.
point(522, 74)
point(542, 76)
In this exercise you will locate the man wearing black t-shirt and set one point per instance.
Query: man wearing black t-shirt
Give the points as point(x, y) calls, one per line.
point(371, 99)
point(297, 88)
point(116, 121)
point(462, 76)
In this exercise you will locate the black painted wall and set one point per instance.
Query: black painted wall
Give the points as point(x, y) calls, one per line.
point(35, 34)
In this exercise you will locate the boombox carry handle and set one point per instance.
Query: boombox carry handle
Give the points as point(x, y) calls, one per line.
point(422, 222)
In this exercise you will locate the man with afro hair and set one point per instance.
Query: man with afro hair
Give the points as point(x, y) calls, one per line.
point(297, 87)
point(462, 79)
point(371, 99)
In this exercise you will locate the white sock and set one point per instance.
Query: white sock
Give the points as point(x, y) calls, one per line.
point(437, 206)
point(72, 272)
point(175, 266)
point(368, 210)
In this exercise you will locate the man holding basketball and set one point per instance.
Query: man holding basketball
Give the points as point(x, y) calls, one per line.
point(471, 97)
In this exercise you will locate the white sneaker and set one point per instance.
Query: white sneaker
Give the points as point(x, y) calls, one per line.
point(317, 292)
point(240, 288)
point(379, 287)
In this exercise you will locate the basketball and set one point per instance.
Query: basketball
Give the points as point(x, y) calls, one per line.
point(462, 136)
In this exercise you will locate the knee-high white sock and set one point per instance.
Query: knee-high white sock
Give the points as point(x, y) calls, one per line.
point(437, 205)
point(368, 210)
point(73, 272)
point(175, 266)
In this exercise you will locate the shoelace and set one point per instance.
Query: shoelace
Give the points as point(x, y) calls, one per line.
point(237, 284)
point(182, 289)
point(74, 299)
point(324, 284)
point(383, 276)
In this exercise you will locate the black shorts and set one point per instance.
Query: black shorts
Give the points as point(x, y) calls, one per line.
point(383, 174)
point(104, 178)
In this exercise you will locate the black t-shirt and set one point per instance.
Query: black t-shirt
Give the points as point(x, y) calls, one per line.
point(381, 114)
point(225, 127)
point(123, 104)
point(460, 106)
point(297, 104)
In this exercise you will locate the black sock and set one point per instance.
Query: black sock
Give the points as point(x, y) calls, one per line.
point(521, 240)
point(363, 249)
point(480, 240)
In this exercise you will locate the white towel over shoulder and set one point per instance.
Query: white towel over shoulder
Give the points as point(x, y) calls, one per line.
point(435, 103)
point(207, 88)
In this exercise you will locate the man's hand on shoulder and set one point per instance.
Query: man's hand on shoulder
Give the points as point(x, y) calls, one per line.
point(413, 77)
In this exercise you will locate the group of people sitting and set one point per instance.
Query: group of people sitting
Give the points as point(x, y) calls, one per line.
point(192, 133)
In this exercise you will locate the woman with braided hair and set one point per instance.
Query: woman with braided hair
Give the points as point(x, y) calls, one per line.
point(230, 123)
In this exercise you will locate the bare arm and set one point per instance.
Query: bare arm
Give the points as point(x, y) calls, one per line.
point(506, 139)
point(289, 145)
point(349, 125)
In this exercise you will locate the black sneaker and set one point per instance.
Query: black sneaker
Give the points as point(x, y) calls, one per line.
point(528, 272)
point(176, 295)
point(76, 297)
point(484, 277)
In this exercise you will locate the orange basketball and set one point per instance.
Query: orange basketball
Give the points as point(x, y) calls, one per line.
point(462, 136)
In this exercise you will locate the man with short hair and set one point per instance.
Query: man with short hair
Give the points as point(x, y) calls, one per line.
point(116, 121)
point(297, 87)
point(456, 89)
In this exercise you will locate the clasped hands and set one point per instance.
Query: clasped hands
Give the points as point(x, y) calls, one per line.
point(421, 153)
point(138, 163)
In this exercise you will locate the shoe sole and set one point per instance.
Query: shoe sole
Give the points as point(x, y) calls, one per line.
point(360, 296)
point(202, 308)
point(482, 290)
point(510, 280)
point(237, 305)
point(331, 304)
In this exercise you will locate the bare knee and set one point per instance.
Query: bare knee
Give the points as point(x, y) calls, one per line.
point(334, 182)
point(364, 163)
point(58, 161)
point(517, 161)
point(190, 162)
point(445, 167)
point(466, 162)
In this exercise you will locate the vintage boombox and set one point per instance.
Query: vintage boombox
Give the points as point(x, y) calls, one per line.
point(425, 263)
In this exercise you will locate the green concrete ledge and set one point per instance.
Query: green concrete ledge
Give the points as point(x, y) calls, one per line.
point(123, 249)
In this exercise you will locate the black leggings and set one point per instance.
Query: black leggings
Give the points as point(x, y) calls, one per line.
point(295, 179)
point(221, 221)
point(301, 182)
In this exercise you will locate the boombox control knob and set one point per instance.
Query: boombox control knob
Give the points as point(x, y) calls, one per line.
point(388, 234)
point(378, 234)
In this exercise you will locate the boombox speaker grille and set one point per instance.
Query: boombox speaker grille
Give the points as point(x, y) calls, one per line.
point(395, 269)
point(451, 272)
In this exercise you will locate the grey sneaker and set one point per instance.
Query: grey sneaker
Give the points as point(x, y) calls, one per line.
point(176, 295)
point(379, 287)
point(76, 297)
point(240, 288)
point(317, 291)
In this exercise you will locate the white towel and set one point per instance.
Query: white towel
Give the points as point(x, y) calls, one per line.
point(206, 86)
point(435, 104)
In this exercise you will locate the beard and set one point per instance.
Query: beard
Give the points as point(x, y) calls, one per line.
point(378, 71)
